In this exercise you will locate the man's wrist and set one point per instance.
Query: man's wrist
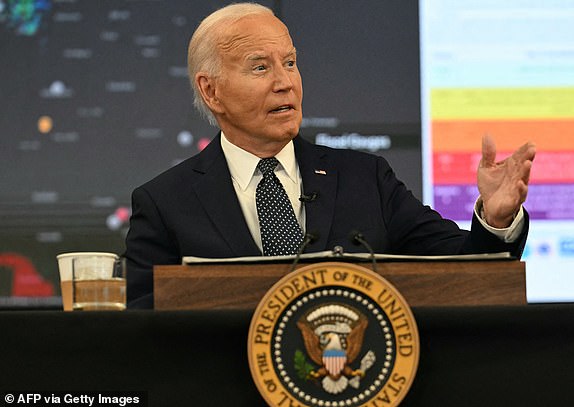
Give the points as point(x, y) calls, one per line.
point(508, 234)
point(496, 224)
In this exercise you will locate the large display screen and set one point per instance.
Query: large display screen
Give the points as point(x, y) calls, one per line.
point(503, 68)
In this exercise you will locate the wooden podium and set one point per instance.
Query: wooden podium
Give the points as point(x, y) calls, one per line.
point(241, 286)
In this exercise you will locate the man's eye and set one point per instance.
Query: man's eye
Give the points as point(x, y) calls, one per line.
point(291, 64)
point(259, 68)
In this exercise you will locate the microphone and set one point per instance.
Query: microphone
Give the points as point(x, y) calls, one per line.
point(358, 239)
point(308, 239)
point(306, 198)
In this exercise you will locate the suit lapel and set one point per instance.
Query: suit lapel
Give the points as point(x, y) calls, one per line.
point(319, 176)
point(215, 191)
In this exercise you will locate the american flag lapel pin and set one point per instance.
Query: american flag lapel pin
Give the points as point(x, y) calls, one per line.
point(321, 172)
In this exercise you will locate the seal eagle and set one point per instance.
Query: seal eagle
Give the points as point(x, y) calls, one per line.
point(333, 336)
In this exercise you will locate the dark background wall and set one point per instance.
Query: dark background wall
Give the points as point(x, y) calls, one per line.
point(95, 100)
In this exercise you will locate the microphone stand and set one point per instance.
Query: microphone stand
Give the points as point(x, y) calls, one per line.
point(308, 239)
point(358, 239)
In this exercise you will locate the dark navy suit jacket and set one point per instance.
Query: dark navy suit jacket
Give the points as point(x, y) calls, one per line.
point(192, 210)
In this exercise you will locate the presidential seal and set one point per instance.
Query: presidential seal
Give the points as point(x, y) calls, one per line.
point(333, 335)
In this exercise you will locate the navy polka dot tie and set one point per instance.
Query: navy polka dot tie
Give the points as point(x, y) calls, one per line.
point(280, 231)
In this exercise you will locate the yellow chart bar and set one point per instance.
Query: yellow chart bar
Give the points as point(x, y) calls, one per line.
point(502, 103)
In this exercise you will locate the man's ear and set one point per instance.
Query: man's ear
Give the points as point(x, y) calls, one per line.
point(206, 85)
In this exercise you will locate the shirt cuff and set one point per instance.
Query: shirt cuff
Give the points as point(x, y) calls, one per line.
point(509, 234)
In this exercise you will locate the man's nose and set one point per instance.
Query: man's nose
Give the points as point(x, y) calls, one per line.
point(282, 79)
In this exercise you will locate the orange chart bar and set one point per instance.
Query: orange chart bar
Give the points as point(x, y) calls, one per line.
point(466, 135)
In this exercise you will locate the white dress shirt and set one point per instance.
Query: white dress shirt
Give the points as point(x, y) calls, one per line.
point(245, 176)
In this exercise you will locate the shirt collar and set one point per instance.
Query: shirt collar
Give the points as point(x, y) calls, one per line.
point(242, 164)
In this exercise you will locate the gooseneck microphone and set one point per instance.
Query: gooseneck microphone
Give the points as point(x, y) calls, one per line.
point(308, 239)
point(358, 239)
point(306, 198)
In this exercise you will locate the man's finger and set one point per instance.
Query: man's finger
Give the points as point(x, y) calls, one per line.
point(526, 152)
point(522, 189)
point(525, 171)
point(488, 151)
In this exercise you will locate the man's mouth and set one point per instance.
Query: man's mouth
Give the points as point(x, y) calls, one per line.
point(282, 108)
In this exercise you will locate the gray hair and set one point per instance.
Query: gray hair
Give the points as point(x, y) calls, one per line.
point(202, 53)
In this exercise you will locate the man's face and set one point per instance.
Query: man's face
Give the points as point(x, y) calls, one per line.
point(259, 92)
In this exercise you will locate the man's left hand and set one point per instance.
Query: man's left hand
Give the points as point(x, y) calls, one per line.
point(503, 185)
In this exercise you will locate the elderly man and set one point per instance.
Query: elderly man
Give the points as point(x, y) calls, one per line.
point(258, 187)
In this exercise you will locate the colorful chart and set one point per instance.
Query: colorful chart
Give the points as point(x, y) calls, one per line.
point(504, 69)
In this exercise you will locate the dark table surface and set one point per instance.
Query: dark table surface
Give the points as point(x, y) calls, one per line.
point(470, 356)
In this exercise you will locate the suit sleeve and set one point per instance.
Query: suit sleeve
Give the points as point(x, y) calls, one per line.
point(417, 229)
point(148, 243)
